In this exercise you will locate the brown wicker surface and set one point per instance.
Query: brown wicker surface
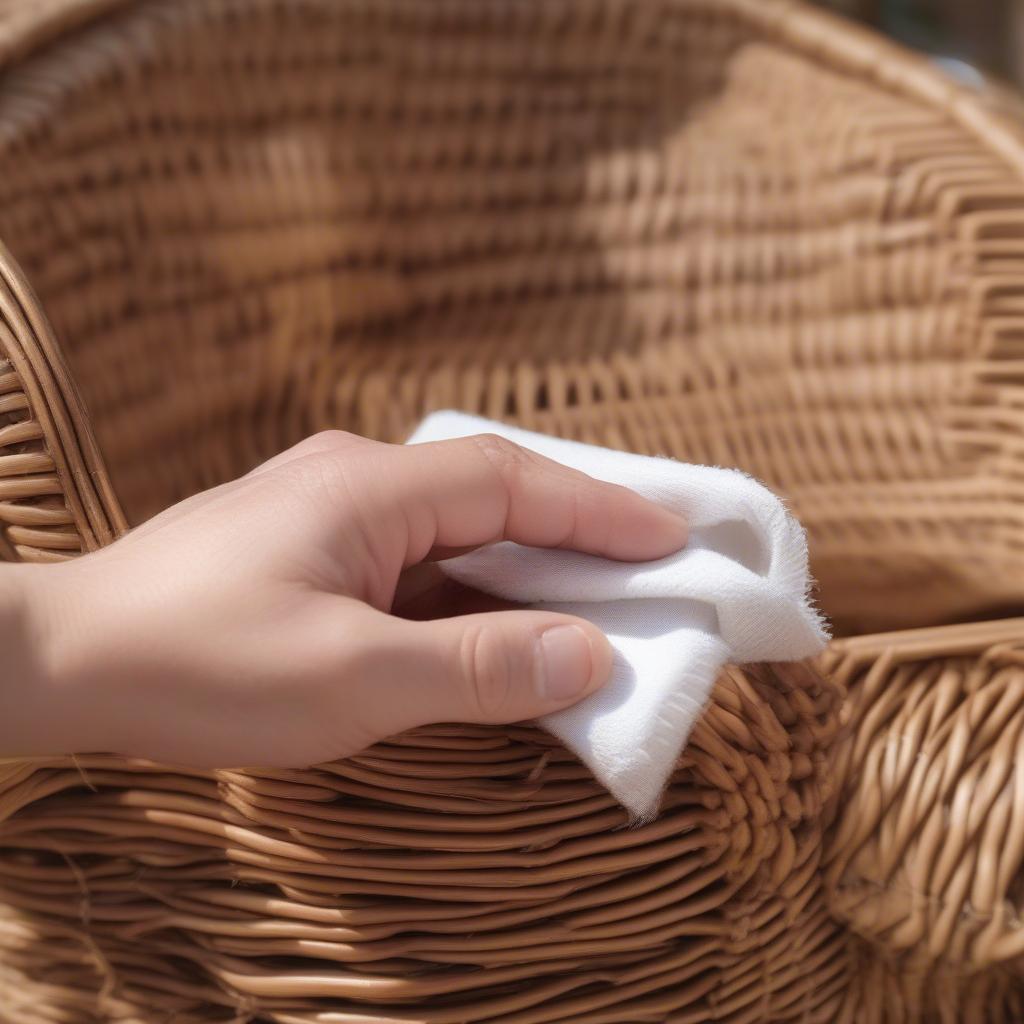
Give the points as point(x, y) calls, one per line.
point(732, 231)
point(721, 230)
point(925, 861)
point(386, 882)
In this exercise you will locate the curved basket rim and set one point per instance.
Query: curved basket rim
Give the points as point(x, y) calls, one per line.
point(57, 405)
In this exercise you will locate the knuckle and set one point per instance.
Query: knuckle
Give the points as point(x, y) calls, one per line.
point(329, 440)
point(321, 443)
point(488, 672)
point(507, 458)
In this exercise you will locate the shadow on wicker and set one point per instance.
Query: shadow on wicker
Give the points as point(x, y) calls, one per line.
point(729, 231)
point(454, 874)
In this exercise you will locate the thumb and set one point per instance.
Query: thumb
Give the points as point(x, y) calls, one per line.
point(498, 667)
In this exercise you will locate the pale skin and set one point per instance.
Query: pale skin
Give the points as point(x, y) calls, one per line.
point(290, 617)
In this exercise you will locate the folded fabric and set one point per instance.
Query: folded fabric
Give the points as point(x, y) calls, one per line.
point(738, 592)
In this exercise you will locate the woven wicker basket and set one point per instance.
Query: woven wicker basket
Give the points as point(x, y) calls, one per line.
point(736, 232)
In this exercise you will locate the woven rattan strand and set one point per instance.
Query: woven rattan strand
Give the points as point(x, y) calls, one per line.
point(731, 231)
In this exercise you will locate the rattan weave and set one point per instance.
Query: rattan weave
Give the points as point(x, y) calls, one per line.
point(731, 231)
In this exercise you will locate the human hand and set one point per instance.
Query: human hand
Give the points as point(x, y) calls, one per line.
point(259, 622)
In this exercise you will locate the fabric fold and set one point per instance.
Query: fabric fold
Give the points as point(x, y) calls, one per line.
point(738, 592)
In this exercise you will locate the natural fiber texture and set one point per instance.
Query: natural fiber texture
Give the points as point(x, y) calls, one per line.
point(926, 860)
point(731, 231)
point(383, 884)
point(376, 886)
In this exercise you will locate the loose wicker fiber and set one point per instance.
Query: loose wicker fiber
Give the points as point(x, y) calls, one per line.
point(729, 231)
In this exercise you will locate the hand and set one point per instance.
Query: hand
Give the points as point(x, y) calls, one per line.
point(257, 623)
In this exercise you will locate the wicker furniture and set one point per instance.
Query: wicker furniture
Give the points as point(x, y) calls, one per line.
point(731, 231)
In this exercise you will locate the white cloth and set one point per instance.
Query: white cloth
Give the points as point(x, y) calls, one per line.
point(738, 592)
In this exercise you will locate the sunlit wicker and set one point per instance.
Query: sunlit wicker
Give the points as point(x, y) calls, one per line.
point(731, 231)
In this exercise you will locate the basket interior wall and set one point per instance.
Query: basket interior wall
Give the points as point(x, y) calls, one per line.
point(645, 225)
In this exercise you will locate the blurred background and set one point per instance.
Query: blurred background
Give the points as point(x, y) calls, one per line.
point(966, 34)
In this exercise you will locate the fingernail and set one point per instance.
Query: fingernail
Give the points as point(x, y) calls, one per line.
point(564, 663)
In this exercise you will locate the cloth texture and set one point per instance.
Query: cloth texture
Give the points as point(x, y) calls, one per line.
point(738, 592)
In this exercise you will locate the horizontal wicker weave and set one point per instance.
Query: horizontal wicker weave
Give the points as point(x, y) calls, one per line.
point(730, 231)
point(393, 877)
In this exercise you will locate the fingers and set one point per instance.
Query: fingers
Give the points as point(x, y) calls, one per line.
point(497, 667)
point(327, 442)
point(467, 492)
point(374, 509)
point(424, 592)
point(482, 489)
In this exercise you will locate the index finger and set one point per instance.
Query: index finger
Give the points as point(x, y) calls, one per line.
point(468, 492)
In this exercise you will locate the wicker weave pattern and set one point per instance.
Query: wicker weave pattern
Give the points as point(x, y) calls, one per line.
point(55, 497)
point(927, 857)
point(724, 230)
point(319, 214)
point(396, 875)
